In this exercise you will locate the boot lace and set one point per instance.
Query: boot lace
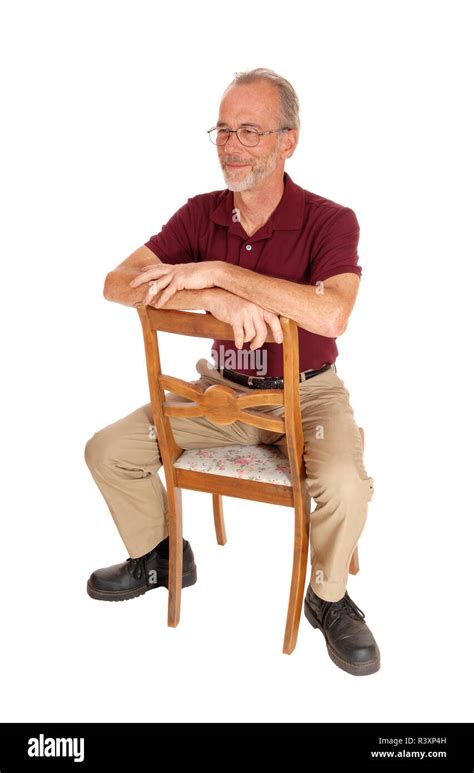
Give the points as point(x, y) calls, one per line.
point(334, 609)
point(137, 568)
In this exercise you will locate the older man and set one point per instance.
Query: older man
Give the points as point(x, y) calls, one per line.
point(262, 247)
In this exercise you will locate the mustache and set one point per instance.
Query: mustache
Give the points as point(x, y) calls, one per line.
point(235, 160)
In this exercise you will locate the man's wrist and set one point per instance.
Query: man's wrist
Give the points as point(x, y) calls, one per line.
point(206, 298)
point(210, 295)
point(222, 274)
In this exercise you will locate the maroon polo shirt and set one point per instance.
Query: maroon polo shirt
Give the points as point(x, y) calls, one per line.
point(306, 240)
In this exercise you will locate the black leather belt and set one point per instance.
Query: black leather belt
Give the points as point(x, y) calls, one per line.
point(259, 382)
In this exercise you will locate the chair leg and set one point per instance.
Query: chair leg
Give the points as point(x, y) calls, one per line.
point(298, 577)
point(354, 564)
point(219, 519)
point(175, 576)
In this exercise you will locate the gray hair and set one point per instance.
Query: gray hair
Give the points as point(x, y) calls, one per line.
point(289, 103)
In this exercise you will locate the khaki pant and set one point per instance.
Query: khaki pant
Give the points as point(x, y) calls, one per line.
point(124, 459)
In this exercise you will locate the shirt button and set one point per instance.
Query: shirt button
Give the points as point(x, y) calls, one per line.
point(248, 247)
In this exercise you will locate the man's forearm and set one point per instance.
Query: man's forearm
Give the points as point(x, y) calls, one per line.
point(315, 311)
point(117, 289)
point(191, 299)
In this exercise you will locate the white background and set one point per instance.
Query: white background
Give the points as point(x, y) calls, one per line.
point(105, 110)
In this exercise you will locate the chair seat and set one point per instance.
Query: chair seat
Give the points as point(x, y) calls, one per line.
point(262, 463)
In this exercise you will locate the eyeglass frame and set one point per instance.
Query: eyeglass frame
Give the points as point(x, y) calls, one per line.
point(245, 126)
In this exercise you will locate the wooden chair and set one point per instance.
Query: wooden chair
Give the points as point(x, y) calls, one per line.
point(222, 405)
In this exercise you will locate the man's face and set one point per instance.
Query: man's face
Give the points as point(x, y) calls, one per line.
point(258, 105)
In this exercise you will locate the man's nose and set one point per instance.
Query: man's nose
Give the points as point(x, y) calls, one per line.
point(233, 144)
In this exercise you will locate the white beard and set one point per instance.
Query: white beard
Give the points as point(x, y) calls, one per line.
point(255, 176)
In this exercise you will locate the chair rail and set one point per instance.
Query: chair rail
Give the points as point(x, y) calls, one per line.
point(192, 323)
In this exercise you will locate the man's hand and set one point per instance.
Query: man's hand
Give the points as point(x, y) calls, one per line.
point(182, 276)
point(249, 321)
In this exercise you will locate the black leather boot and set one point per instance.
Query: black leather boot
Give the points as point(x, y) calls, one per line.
point(136, 576)
point(350, 643)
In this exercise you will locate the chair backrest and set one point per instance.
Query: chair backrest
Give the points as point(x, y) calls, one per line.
point(220, 404)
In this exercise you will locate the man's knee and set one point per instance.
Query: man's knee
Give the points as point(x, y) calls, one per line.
point(342, 484)
point(97, 449)
point(123, 445)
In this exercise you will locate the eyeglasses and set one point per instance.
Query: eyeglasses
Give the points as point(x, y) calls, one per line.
point(246, 135)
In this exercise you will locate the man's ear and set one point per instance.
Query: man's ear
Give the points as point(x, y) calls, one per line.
point(290, 142)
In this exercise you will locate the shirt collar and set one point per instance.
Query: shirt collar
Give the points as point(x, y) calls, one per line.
point(287, 216)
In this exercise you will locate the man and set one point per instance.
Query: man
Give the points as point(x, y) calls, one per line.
point(261, 248)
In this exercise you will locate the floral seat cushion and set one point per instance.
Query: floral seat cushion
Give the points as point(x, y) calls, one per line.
point(263, 463)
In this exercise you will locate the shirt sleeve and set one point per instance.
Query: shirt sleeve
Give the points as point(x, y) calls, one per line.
point(336, 251)
point(174, 243)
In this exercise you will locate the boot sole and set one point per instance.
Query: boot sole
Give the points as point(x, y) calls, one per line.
point(356, 669)
point(189, 578)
